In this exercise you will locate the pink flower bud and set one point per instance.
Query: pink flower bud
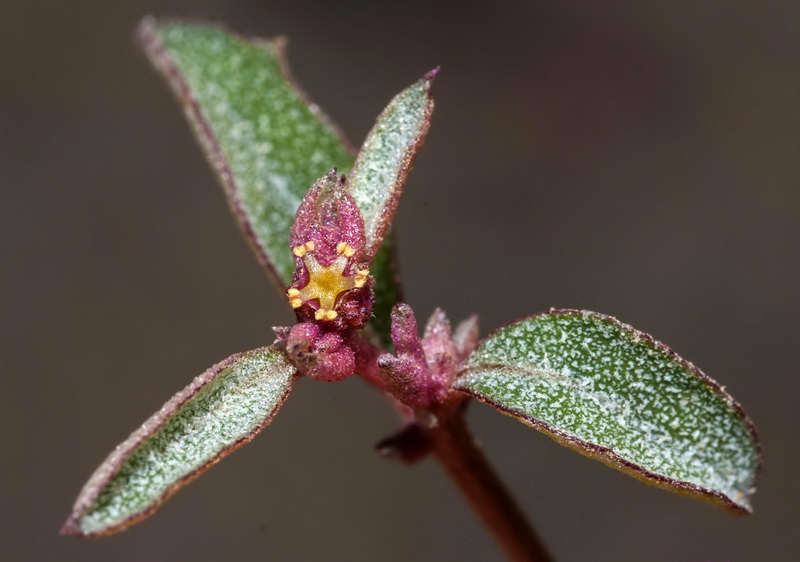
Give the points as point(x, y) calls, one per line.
point(421, 371)
point(331, 283)
point(319, 355)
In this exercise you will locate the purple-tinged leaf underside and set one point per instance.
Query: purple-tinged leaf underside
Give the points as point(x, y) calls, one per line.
point(617, 395)
point(387, 155)
point(221, 410)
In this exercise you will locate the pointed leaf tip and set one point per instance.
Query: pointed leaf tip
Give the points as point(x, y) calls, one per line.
point(431, 74)
point(617, 395)
point(387, 155)
point(219, 411)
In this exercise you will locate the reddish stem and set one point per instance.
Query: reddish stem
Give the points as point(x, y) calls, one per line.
point(452, 444)
point(459, 454)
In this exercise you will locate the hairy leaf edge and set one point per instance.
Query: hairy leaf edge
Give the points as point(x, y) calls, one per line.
point(109, 468)
point(390, 205)
point(606, 455)
point(147, 36)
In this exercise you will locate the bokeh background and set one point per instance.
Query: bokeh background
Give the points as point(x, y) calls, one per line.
point(634, 158)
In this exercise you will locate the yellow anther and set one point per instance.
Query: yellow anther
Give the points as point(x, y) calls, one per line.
point(346, 249)
point(310, 246)
point(294, 297)
point(361, 277)
point(325, 314)
point(299, 251)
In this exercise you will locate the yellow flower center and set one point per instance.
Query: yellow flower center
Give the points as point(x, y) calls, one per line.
point(325, 284)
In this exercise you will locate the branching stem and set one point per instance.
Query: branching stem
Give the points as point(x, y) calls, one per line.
point(452, 443)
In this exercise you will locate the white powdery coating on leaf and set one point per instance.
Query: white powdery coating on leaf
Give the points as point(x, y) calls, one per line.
point(385, 155)
point(226, 410)
point(583, 375)
point(275, 144)
point(264, 139)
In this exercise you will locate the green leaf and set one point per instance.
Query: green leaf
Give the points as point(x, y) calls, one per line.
point(219, 411)
point(617, 395)
point(264, 139)
point(387, 289)
point(386, 157)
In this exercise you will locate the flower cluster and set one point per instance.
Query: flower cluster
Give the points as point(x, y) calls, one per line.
point(331, 294)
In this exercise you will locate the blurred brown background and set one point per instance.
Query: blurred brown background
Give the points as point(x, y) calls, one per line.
point(634, 158)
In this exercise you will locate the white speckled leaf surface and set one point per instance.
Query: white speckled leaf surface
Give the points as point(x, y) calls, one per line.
point(219, 411)
point(386, 157)
point(617, 395)
point(264, 139)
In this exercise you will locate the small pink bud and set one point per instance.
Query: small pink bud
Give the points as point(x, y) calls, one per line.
point(421, 371)
point(321, 356)
point(440, 353)
point(406, 372)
